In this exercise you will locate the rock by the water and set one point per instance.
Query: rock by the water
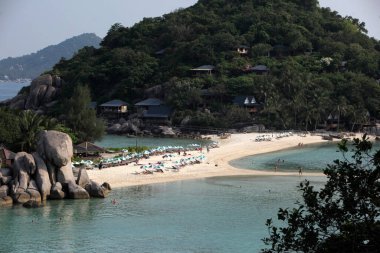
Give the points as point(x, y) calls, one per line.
point(32, 204)
point(23, 167)
point(6, 201)
point(96, 190)
point(33, 191)
point(56, 191)
point(21, 197)
point(106, 186)
point(83, 178)
point(4, 191)
point(42, 177)
point(77, 192)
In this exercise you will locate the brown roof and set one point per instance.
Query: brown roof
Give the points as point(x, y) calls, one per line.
point(88, 147)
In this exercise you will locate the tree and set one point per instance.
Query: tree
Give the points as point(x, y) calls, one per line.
point(343, 216)
point(81, 118)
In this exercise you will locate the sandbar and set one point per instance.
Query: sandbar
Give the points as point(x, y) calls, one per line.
point(216, 163)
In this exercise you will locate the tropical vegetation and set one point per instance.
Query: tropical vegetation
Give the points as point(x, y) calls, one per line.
point(320, 64)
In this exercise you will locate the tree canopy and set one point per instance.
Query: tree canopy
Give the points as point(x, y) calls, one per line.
point(316, 59)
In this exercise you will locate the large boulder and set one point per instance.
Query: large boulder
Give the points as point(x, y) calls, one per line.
point(4, 191)
point(23, 167)
point(83, 179)
point(6, 201)
point(38, 89)
point(57, 192)
point(33, 192)
point(55, 147)
point(96, 190)
point(76, 192)
point(42, 177)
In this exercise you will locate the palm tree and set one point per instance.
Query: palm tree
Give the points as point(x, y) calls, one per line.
point(30, 125)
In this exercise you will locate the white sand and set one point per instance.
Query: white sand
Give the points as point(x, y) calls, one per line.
point(239, 145)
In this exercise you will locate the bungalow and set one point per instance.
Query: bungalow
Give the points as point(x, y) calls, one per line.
point(158, 114)
point(145, 104)
point(204, 69)
point(248, 102)
point(242, 50)
point(7, 157)
point(114, 108)
point(258, 69)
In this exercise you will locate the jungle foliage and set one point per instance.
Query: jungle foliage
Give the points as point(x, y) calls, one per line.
point(320, 62)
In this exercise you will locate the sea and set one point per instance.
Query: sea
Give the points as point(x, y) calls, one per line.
point(214, 215)
point(221, 215)
point(312, 158)
point(9, 89)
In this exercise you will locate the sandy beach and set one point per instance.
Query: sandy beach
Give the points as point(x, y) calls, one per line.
point(215, 164)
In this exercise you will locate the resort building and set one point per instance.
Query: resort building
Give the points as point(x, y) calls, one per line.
point(248, 102)
point(204, 69)
point(158, 114)
point(114, 109)
point(242, 50)
point(258, 69)
point(148, 103)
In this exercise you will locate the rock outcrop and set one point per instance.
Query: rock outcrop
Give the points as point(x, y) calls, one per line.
point(47, 174)
point(43, 94)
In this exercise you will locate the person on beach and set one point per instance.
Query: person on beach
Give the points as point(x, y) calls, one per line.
point(100, 165)
point(300, 171)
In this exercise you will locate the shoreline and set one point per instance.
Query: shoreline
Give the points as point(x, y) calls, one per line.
point(216, 163)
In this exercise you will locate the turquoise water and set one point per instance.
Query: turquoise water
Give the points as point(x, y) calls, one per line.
point(10, 89)
point(212, 215)
point(311, 158)
point(118, 141)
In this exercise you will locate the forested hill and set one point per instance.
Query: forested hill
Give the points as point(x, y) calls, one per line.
point(319, 63)
point(32, 65)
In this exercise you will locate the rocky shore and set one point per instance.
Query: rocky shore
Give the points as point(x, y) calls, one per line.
point(47, 174)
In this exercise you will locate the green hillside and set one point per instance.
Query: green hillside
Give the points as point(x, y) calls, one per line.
point(32, 65)
point(320, 64)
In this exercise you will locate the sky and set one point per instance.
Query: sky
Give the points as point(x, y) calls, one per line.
point(27, 26)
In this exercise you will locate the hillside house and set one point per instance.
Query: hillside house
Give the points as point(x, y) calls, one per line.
point(148, 103)
point(204, 69)
point(158, 114)
point(242, 50)
point(114, 109)
point(248, 102)
point(258, 69)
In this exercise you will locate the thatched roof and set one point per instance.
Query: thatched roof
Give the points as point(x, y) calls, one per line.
point(88, 147)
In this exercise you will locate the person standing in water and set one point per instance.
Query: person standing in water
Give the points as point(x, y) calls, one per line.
point(300, 171)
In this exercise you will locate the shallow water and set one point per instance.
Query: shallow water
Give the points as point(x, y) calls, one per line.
point(310, 158)
point(225, 214)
